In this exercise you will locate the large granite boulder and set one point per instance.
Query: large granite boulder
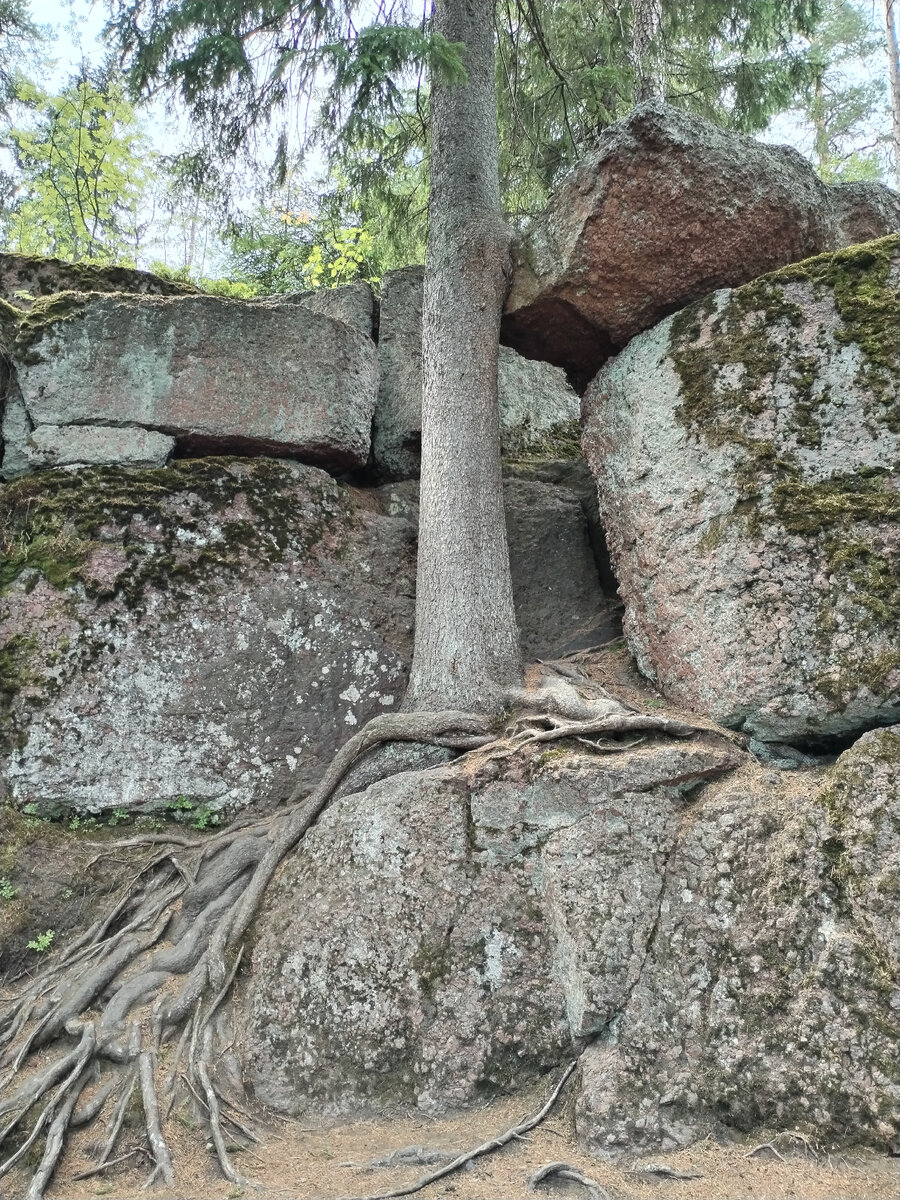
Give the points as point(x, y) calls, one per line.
point(667, 207)
point(449, 934)
point(721, 946)
point(210, 633)
point(219, 375)
point(538, 409)
point(770, 996)
point(747, 454)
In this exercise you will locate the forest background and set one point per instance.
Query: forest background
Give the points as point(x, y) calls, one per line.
point(93, 170)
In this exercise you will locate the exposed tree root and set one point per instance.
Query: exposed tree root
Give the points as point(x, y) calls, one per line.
point(564, 1170)
point(496, 1143)
point(158, 968)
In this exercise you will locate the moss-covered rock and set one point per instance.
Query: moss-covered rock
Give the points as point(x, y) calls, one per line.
point(25, 279)
point(748, 456)
point(207, 631)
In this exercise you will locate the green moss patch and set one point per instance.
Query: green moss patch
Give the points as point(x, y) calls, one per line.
point(869, 307)
point(562, 441)
point(163, 520)
point(43, 316)
point(809, 508)
point(734, 354)
point(727, 357)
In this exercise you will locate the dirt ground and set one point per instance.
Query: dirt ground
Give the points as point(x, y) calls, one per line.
point(302, 1160)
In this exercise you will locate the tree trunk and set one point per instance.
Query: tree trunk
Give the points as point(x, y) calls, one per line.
point(822, 147)
point(646, 23)
point(890, 21)
point(466, 641)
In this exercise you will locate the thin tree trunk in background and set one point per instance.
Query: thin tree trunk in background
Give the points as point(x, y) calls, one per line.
point(890, 21)
point(646, 25)
point(819, 124)
point(466, 639)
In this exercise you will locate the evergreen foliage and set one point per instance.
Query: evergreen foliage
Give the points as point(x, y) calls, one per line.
point(845, 96)
point(564, 73)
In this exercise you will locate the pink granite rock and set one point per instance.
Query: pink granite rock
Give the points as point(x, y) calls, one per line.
point(666, 208)
point(747, 455)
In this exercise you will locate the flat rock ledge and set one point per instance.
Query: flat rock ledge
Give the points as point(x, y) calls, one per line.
point(220, 376)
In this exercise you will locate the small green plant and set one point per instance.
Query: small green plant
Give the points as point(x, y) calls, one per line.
point(7, 891)
point(146, 822)
point(33, 816)
point(42, 942)
point(118, 816)
point(198, 816)
point(78, 822)
point(655, 703)
point(204, 817)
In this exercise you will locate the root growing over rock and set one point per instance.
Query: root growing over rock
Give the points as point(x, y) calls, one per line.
point(80, 1044)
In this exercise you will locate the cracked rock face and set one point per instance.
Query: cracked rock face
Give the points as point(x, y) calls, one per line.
point(213, 631)
point(747, 456)
point(667, 207)
point(770, 997)
point(722, 941)
point(445, 935)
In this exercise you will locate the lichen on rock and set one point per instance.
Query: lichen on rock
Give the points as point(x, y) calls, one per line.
point(769, 416)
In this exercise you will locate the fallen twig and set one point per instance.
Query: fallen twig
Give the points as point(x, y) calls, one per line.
point(113, 1162)
point(494, 1144)
point(663, 1171)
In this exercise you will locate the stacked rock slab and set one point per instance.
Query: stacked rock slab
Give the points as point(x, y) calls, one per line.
point(537, 406)
point(666, 208)
point(747, 454)
point(218, 375)
point(26, 278)
point(723, 947)
point(212, 632)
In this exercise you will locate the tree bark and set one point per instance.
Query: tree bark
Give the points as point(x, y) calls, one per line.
point(890, 22)
point(646, 23)
point(466, 640)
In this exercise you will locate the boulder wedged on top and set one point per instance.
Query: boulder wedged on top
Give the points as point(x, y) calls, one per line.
point(219, 375)
point(667, 207)
point(747, 456)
